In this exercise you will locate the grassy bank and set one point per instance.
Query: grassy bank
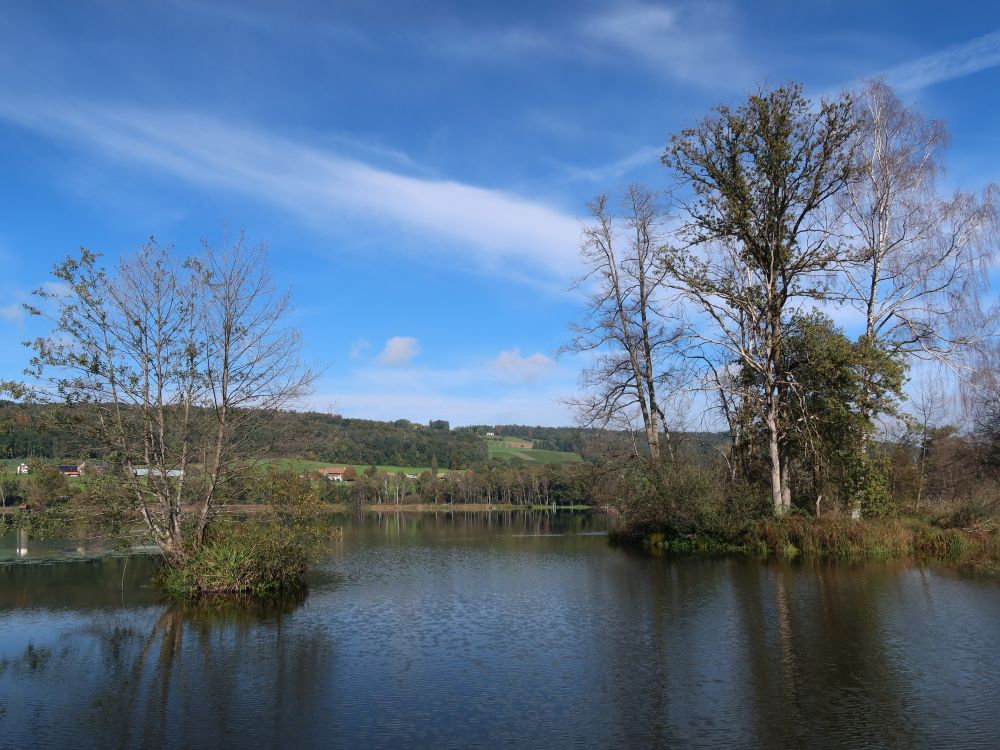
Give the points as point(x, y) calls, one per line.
point(844, 539)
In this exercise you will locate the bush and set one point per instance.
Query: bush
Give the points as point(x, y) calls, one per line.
point(241, 558)
point(683, 500)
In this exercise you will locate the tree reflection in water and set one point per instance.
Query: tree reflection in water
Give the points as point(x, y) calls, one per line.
point(196, 675)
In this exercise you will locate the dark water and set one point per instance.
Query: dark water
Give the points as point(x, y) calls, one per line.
point(489, 631)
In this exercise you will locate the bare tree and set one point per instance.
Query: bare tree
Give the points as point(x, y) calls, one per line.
point(757, 239)
point(174, 363)
point(922, 261)
point(929, 407)
point(631, 336)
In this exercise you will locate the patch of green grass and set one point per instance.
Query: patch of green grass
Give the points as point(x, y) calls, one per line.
point(530, 455)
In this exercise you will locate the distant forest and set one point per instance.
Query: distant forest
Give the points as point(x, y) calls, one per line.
point(35, 431)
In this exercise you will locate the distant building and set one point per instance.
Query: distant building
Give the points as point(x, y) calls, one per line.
point(22, 468)
point(144, 471)
point(412, 476)
point(69, 470)
point(491, 434)
point(333, 473)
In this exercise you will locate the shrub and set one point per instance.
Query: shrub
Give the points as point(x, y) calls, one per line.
point(684, 500)
point(241, 558)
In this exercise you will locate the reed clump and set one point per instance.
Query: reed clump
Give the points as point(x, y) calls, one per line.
point(844, 538)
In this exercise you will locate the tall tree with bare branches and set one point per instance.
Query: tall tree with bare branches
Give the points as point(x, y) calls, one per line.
point(631, 336)
point(173, 363)
point(922, 259)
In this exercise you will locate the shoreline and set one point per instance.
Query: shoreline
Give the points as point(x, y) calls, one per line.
point(232, 510)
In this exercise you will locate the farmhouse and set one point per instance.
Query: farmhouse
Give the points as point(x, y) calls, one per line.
point(22, 468)
point(333, 473)
point(69, 470)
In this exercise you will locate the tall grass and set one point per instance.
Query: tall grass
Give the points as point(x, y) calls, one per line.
point(236, 566)
point(846, 539)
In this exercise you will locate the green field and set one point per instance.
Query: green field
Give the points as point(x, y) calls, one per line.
point(300, 465)
point(502, 449)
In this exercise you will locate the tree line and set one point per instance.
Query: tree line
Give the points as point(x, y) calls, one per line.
point(559, 484)
point(47, 431)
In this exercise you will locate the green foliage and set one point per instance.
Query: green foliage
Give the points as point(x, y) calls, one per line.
point(835, 387)
point(683, 500)
point(240, 558)
point(48, 486)
point(758, 171)
point(866, 480)
point(844, 539)
point(45, 432)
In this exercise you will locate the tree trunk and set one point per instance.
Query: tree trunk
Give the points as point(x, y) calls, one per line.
point(786, 478)
point(774, 453)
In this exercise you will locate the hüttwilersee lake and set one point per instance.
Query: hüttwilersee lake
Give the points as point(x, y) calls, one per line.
point(501, 629)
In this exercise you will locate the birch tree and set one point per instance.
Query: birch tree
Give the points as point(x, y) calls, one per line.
point(758, 236)
point(173, 363)
point(631, 337)
point(922, 259)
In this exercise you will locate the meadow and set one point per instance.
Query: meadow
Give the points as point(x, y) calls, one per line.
point(504, 449)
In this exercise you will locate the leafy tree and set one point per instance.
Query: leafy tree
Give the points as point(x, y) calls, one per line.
point(756, 240)
point(835, 386)
point(48, 486)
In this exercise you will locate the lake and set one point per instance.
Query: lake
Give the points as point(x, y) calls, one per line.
point(501, 629)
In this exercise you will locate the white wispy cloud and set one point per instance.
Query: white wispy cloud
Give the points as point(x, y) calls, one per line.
point(687, 42)
point(641, 157)
point(947, 64)
point(692, 42)
point(359, 347)
point(485, 228)
point(13, 313)
point(399, 350)
point(508, 387)
point(513, 366)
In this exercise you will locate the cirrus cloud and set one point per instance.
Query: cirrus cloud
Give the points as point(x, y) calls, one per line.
point(399, 350)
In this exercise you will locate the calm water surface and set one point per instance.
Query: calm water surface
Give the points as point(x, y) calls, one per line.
point(522, 630)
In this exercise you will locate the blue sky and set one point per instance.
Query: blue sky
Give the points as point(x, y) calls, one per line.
point(419, 170)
